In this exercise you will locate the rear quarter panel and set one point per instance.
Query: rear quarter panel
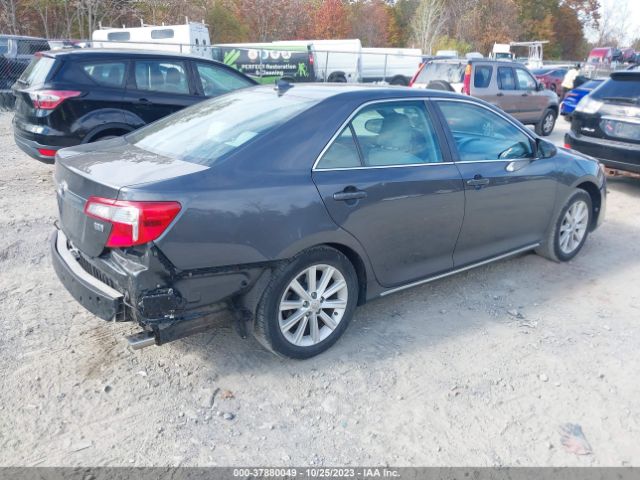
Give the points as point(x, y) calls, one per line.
point(259, 205)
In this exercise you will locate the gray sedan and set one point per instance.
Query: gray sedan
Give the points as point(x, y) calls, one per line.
point(293, 205)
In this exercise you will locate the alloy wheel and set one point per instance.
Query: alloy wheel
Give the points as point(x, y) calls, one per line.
point(574, 227)
point(313, 305)
point(547, 125)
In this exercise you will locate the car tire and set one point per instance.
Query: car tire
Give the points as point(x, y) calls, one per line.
point(337, 78)
point(440, 85)
point(290, 318)
point(572, 223)
point(546, 124)
point(399, 80)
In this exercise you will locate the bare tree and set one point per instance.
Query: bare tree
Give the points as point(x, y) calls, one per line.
point(428, 23)
point(10, 14)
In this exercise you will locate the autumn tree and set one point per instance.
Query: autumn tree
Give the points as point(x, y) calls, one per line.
point(330, 20)
point(370, 21)
point(428, 23)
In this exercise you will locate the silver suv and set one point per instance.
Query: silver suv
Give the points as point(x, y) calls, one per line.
point(508, 85)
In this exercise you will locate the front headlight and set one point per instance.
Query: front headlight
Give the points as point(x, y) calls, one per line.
point(588, 105)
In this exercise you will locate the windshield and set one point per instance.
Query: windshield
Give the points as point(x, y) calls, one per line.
point(209, 130)
point(37, 71)
point(624, 91)
point(541, 71)
point(449, 72)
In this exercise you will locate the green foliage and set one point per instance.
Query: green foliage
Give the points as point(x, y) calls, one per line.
point(448, 43)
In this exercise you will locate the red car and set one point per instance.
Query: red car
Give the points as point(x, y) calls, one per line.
point(551, 77)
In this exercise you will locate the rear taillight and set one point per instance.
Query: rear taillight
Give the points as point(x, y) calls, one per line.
point(133, 223)
point(47, 152)
point(566, 145)
point(415, 77)
point(466, 83)
point(50, 99)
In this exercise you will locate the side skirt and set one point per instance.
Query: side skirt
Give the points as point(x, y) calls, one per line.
point(462, 269)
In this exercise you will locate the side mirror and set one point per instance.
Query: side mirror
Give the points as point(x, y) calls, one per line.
point(373, 125)
point(545, 149)
point(540, 87)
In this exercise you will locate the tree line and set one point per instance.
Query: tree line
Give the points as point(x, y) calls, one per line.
point(463, 25)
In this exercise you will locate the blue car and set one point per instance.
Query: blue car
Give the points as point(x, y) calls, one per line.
point(574, 96)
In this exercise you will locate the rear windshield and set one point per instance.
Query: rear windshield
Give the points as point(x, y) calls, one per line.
point(210, 130)
point(37, 71)
point(4, 46)
point(619, 91)
point(541, 71)
point(449, 72)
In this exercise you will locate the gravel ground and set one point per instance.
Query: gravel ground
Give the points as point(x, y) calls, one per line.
point(480, 369)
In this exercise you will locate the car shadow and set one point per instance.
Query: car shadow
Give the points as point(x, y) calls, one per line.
point(421, 317)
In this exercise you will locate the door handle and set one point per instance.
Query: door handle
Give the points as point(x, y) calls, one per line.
point(144, 101)
point(349, 194)
point(499, 94)
point(478, 181)
point(525, 94)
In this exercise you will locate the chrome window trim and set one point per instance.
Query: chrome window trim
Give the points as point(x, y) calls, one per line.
point(351, 117)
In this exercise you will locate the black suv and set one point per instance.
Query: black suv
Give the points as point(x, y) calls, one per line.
point(606, 123)
point(68, 97)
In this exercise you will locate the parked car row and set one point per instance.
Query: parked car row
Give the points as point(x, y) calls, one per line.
point(160, 225)
point(69, 97)
point(508, 85)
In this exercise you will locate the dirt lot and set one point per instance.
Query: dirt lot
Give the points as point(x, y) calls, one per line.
point(479, 369)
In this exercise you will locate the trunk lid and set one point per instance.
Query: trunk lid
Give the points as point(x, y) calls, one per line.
point(101, 170)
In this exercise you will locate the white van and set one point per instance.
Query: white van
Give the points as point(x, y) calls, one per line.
point(391, 65)
point(333, 60)
point(190, 38)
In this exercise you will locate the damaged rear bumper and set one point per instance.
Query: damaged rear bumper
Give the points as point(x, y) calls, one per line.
point(96, 296)
point(144, 287)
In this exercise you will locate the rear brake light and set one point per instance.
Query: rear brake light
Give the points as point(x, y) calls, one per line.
point(466, 84)
point(50, 99)
point(566, 145)
point(47, 152)
point(415, 77)
point(132, 223)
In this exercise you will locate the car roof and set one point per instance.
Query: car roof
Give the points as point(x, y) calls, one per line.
point(118, 53)
point(626, 75)
point(23, 37)
point(359, 92)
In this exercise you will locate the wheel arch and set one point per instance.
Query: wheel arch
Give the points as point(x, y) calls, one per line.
point(116, 129)
point(596, 200)
point(359, 266)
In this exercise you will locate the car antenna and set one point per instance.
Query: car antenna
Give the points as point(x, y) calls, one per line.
point(282, 86)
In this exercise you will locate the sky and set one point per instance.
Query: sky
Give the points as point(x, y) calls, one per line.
point(624, 13)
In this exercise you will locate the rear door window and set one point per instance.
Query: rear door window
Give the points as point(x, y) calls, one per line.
point(217, 81)
point(399, 133)
point(106, 74)
point(482, 76)
point(506, 79)
point(343, 153)
point(161, 76)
